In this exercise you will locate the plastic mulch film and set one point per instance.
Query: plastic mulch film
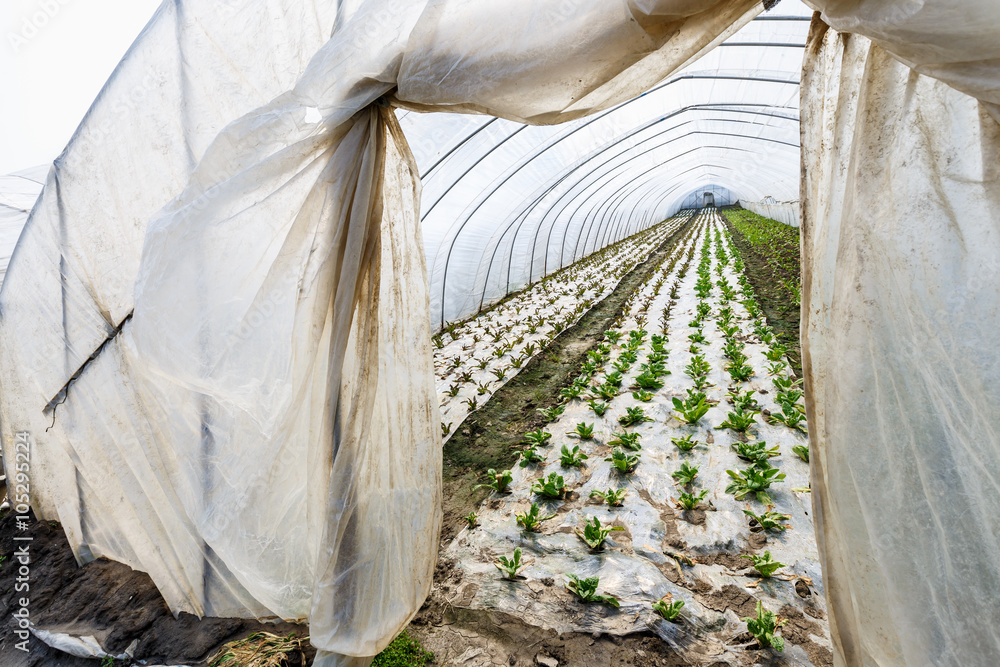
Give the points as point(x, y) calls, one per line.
point(900, 304)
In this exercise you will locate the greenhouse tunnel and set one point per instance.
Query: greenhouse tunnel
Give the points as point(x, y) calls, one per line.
point(505, 204)
point(216, 330)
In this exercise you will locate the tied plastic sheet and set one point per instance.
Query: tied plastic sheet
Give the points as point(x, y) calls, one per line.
point(235, 378)
point(901, 249)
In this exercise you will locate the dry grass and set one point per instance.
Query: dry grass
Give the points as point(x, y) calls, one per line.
point(261, 649)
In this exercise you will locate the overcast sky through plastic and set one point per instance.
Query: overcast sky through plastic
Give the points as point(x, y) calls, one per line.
point(55, 56)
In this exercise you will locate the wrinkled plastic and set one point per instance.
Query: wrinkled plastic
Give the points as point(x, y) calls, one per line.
point(234, 392)
point(900, 305)
point(18, 193)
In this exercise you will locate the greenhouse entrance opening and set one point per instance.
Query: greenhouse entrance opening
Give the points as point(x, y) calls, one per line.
point(709, 199)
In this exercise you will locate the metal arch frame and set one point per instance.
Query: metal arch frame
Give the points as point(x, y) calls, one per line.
point(598, 189)
point(522, 216)
point(622, 194)
point(625, 192)
point(549, 145)
point(454, 148)
point(657, 166)
point(637, 131)
point(632, 157)
point(581, 164)
point(597, 214)
point(597, 117)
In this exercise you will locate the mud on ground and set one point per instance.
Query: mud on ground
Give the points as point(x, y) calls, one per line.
point(108, 600)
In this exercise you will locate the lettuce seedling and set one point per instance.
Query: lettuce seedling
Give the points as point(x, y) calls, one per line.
point(686, 444)
point(648, 381)
point(571, 392)
point(689, 501)
point(685, 474)
point(509, 567)
point(756, 453)
point(763, 627)
point(740, 420)
point(537, 437)
point(729, 331)
point(605, 391)
point(612, 336)
point(613, 497)
point(743, 400)
point(445, 428)
point(642, 395)
point(482, 388)
point(765, 565)
point(734, 350)
point(498, 480)
point(791, 396)
point(633, 415)
point(599, 407)
point(531, 520)
point(623, 364)
point(626, 440)
point(776, 367)
point(529, 456)
point(785, 383)
point(472, 403)
point(551, 414)
point(790, 415)
point(614, 379)
point(697, 337)
point(754, 480)
point(552, 487)
point(586, 590)
point(776, 352)
point(769, 520)
point(593, 534)
point(472, 519)
point(574, 457)
point(624, 463)
point(739, 372)
point(667, 609)
point(453, 389)
point(690, 410)
point(584, 431)
point(802, 451)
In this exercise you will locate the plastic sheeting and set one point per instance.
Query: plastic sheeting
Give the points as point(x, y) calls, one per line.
point(782, 211)
point(900, 304)
point(18, 193)
point(226, 389)
point(233, 391)
point(505, 204)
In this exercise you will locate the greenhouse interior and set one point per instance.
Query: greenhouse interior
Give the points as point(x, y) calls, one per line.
point(434, 332)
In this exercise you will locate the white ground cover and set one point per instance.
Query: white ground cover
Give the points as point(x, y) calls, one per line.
point(480, 355)
point(649, 559)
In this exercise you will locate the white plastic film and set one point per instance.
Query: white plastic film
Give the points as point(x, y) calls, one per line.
point(900, 304)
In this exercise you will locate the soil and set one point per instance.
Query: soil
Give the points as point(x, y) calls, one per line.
point(781, 311)
point(108, 600)
point(489, 437)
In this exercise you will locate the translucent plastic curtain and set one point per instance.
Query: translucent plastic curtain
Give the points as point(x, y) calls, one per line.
point(901, 251)
point(242, 409)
